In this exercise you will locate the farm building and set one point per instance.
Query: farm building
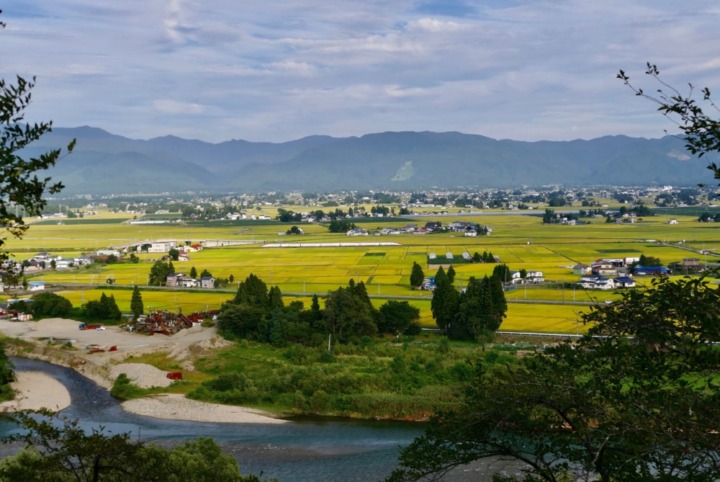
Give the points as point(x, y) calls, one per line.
point(161, 246)
point(651, 271)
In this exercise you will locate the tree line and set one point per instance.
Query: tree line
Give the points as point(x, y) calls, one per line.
point(260, 313)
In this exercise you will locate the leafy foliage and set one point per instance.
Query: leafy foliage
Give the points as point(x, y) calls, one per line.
point(341, 226)
point(481, 309)
point(701, 131)
point(349, 313)
point(58, 449)
point(398, 317)
point(444, 301)
point(159, 273)
point(104, 309)
point(20, 184)
point(417, 276)
point(136, 303)
point(7, 375)
point(636, 399)
point(50, 305)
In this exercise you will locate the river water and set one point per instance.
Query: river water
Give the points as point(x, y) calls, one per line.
point(298, 451)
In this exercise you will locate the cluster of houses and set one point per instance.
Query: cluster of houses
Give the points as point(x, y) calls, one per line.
point(611, 273)
point(43, 261)
point(469, 229)
point(180, 280)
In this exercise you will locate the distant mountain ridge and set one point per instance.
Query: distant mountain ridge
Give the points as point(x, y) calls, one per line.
point(105, 163)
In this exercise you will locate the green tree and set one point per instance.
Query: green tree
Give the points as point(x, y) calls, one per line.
point(50, 305)
point(253, 291)
point(340, 226)
point(206, 274)
point(649, 261)
point(444, 302)
point(20, 186)
point(104, 309)
point(451, 274)
point(159, 273)
point(417, 276)
point(7, 375)
point(479, 313)
point(349, 313)
point(193, 273)
point(275, 299)
point(136, 303)
point(635, 399)
point(549, 216)
point(241, 321)
point(174, 254)
point(396, 317)
point(502, 272)
point(58, 449)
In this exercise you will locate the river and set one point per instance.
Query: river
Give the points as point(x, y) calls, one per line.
point(299, 451)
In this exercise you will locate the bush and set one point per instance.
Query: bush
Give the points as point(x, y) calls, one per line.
point(125, 389)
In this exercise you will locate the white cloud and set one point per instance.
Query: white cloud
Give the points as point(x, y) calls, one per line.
point(278, 70)
point(435, 25)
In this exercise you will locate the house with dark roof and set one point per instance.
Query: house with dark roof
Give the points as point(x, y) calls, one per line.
point(651, 271)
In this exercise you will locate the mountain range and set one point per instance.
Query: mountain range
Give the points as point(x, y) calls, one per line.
point(105, 163)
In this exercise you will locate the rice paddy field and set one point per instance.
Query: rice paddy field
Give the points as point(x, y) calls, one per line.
point(520, 241)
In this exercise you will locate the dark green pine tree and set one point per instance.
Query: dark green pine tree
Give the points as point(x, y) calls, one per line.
point(275, 299)
point(417, 276)
point(136, 303)
point(253, 291)
point(444, 301)
point(451, 274)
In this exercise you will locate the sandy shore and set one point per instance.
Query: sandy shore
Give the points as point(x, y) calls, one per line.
point(35, 390)
point(177, 407)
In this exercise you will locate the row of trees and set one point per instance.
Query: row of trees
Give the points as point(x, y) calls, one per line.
point(258, 312)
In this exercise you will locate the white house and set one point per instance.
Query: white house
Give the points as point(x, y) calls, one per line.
point(108, 252)
point(36, 286)
point(596, 282)
point(161, 246)
point(357, 232)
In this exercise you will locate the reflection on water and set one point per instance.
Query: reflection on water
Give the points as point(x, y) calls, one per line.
point(299, 451)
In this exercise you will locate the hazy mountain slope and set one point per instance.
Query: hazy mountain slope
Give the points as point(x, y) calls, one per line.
point(106, 163)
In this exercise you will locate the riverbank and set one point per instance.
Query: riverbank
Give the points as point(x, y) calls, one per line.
point(57, 340)
point(177, 407)
point(34, 391)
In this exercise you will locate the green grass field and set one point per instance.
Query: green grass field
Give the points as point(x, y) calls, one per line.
point(519, 241)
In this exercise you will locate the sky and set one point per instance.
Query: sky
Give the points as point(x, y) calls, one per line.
point(275, 71)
